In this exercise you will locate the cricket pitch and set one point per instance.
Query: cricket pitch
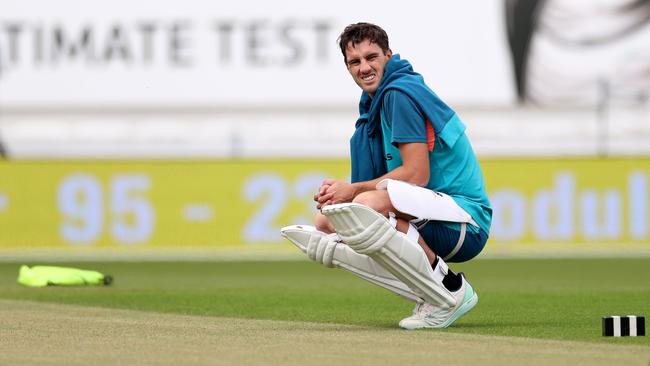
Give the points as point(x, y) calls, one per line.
point(54, 334)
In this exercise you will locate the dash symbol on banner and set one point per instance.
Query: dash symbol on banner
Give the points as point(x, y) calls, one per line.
point(198, 212)
point(4, 202)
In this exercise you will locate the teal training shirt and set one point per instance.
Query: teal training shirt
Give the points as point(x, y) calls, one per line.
point(454, 169)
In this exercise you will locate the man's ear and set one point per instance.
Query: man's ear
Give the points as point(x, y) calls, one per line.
point(389, 53)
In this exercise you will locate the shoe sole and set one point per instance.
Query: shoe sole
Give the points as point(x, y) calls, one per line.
point(462, 310)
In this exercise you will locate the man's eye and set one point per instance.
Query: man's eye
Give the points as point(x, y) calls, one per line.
point(353, 62)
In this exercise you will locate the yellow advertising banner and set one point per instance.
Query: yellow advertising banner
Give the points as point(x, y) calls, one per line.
point(538, 203)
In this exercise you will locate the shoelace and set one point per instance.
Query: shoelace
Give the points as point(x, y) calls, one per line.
point(416, 309)
point(421, 309)
point(430, 312)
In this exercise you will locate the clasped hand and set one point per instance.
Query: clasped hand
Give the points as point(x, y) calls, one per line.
point(334, 191)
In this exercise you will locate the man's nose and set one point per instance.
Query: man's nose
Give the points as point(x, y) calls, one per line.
point(364, 66)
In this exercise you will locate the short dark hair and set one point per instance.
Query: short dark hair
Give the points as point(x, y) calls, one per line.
point(359, 32)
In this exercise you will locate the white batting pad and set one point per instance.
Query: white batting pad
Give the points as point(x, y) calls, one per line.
point(368, 232)
point(328, 250)
point(423, 203)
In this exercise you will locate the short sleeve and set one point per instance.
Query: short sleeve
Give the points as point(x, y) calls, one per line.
point(405, 119)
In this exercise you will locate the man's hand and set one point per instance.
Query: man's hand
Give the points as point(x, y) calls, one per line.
point(321, 191)
point(334, 191)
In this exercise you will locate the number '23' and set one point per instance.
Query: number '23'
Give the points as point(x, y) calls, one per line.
point(275, 192)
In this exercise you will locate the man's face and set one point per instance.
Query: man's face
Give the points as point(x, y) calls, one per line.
point(366, 62)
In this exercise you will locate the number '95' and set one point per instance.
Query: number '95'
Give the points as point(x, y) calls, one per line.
point(81, 199)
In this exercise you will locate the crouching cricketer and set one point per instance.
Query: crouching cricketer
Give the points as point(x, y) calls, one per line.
point(417, 199)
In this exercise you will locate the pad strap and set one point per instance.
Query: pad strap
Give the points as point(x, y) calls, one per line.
point(412, 231)
point(392, 219)
point(459, 244)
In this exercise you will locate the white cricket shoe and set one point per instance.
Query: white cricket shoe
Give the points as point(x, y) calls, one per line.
point(427, 315)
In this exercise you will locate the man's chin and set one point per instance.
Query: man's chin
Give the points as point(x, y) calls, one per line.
point(370, 90)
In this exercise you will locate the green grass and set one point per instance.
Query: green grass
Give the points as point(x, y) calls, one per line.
point(550, 298)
